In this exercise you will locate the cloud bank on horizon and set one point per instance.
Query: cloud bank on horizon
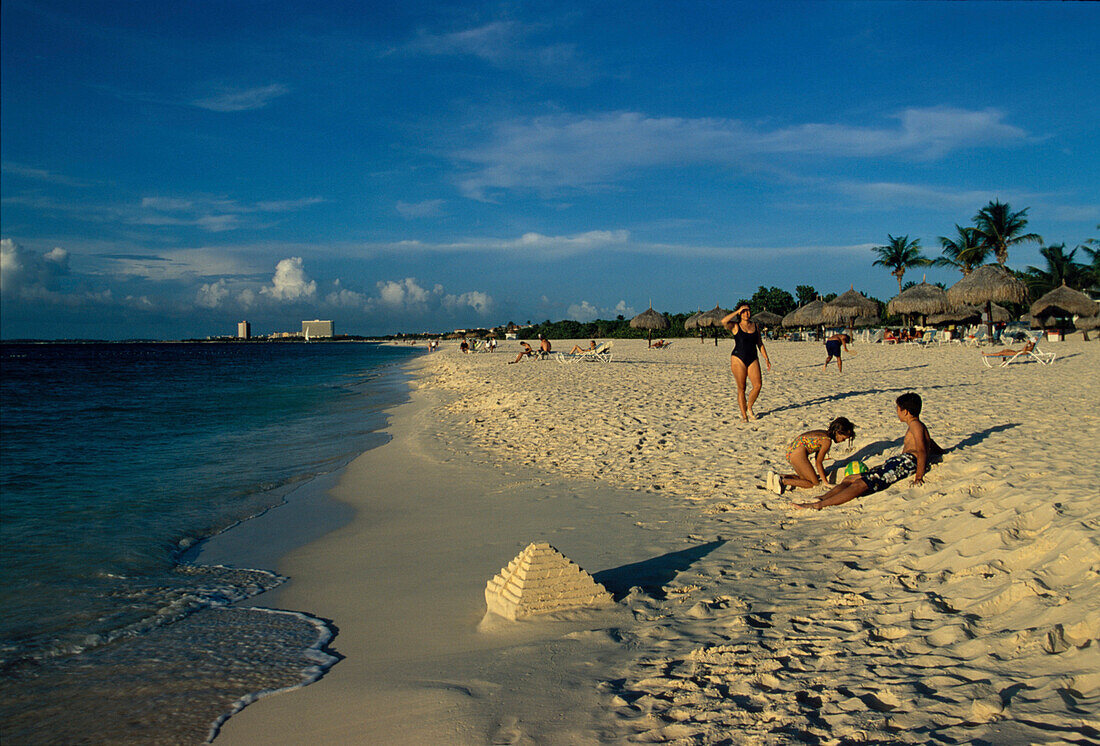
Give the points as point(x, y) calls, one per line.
point(456, 165)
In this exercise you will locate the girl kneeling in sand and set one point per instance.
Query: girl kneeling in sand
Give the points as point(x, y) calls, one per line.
point(798, 454)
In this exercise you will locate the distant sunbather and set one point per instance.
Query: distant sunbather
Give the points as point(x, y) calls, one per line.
point(578, 350)
point(1007, 352)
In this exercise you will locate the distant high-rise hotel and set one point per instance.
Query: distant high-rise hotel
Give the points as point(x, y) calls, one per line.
point(316, 329)
point(244, 330)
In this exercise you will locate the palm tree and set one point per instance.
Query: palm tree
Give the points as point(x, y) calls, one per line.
point(999, 227)
point(1092, 269)
point(1061, 269)
point(899, 255)
point(965, 252)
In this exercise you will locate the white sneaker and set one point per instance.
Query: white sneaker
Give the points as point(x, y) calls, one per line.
point(775, 484)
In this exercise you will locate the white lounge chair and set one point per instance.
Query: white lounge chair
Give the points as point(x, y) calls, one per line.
point(601, 354)
point(978, 338)
point(1006, 357)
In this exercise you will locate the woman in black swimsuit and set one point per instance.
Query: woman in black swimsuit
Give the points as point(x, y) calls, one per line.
point(744, 361)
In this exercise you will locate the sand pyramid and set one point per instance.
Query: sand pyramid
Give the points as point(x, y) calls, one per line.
point(541, 580)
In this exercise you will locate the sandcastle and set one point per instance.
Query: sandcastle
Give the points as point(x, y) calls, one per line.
point(541, 580)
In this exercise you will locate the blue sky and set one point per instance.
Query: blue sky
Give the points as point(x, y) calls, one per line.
point(171, 168)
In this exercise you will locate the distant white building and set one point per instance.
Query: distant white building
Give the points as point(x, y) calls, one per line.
point(317, 329)
point(244, 330)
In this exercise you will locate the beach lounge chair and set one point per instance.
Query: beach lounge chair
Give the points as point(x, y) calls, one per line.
point(1004, 358)
point(601, 354)
point(876, 336)
point(978, 338)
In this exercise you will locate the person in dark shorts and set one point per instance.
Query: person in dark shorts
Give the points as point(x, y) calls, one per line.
point(913, 460)
point(832, 349)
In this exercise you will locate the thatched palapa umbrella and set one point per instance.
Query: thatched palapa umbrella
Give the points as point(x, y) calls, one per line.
point(650, 320)
point(1086, 324)
point(712, 319)
point(811, 314)
point(1064, 302)
point(999, 314)
point(922, 299)
point(849, 307)
point(692, 322)
point(766, 319)
point(986, 284)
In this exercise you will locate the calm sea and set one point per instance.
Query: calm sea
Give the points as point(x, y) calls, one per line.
point(116, 458)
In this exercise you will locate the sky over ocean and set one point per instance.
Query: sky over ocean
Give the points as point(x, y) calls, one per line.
point(171, 168)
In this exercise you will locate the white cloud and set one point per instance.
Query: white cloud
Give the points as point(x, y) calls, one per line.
point(344, 298)
point(26, 273)
point(402, 294)
point(213, 214)
point(407, 296)
point(290, 282)
point(241, 99)
point(585, 311)
point(492, 42)
point(506, 43)
point(479, 301)
point(535, 244)
point(569, 151)
point(211, 294)
point(247, 298)
point(178, 264)
point(41, 174)
point(426, 209)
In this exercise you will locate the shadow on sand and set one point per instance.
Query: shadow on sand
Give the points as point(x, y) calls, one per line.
point(827, 399)
point(652, 574)
point(976, 438)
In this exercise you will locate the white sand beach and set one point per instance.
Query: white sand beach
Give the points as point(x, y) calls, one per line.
point(963, 610)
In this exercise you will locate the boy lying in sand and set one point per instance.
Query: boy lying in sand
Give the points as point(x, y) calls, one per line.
point(915, 451)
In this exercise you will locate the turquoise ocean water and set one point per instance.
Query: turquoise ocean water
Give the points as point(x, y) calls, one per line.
point(115, 459)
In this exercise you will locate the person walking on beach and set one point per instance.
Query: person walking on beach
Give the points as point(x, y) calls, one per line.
point(745, 358)
point(916, 450)
point(832, 349)
point(798, 454)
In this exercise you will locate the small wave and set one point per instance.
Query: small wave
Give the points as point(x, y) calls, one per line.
point(165, 605)
point(317, 653)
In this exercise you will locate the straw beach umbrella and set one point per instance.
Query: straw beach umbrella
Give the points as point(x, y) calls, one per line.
point(692, 322)
point(712, 319)
point(1085, 324)
point(811, 314)
point(1065, 302)
point(766, 319)
point(849, 307)
point(922, 299)
point(650, 320)
point(986, 284)
point(960, 314)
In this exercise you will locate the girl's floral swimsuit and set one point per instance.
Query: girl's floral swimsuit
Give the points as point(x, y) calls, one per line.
point(812, 443)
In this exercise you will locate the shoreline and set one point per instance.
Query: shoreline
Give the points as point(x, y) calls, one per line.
point(819, 622)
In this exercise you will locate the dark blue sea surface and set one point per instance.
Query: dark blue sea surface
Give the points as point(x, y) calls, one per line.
point(116, 457)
